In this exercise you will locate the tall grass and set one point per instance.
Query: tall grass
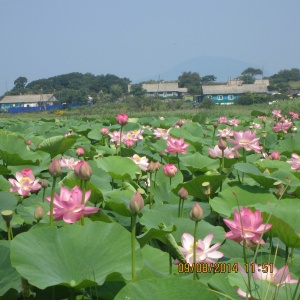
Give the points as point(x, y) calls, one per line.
point(182, 111)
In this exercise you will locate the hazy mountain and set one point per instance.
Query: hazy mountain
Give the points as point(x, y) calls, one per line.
point(221, 67)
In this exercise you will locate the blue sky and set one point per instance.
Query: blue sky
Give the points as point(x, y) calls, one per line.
point(138, 39)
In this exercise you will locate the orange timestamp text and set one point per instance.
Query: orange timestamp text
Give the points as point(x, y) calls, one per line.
point(222, 267)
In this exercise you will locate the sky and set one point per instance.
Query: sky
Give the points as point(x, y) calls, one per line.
point(137, 38)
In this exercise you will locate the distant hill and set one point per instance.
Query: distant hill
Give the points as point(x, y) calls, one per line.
point(221, 67)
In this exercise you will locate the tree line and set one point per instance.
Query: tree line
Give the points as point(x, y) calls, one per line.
point(80, 88)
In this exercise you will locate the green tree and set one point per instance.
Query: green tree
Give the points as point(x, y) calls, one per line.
point(192, 81)
point(208, 78)
point(137, 90)
point(252, 72)
point(116, 91)
point(20, 82)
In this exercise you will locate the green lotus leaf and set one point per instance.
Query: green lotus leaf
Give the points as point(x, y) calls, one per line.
point(236, 196)
point(119, 167)
point(95, 134)
point(10, 279)
point(282, 230)
point(198, 162)
point(289, 146)
point(57, 144)
point(74, 256)
point(13, 151)
point(194, 187)
point(166, 288)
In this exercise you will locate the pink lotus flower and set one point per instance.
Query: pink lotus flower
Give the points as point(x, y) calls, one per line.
point(25, 183)
point(115, 137)
point(69, 163)
point(277, 277)
point(295, 162)
point(246, 226)
point(122, 119)
point(204, 253)
point(246, 140)
point(104, 131)
point(255, 126)
point(282, 126)
point(217, 152)
point(225, 133)
point(169, 170)
point(222, 120)
point(80, 151)
point(142, 162)
point(161, 133)
point(276, 113)
point(234, 122)
point(135, 136)
point(294, 115)
point(68, 205)
point(176, 145)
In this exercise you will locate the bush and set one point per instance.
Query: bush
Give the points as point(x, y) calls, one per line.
point(207, 103)
point(249, 98)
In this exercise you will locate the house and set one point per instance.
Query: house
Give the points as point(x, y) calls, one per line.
point(38, 100)
point(163, 89)
point(228, 93)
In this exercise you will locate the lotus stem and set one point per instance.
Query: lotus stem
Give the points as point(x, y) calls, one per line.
point(133, 232)
point(51, 222)
point(194, 250)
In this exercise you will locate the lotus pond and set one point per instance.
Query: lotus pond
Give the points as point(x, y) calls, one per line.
point(150, 208)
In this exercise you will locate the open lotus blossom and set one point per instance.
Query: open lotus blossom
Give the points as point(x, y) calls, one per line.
point(135, 136)
point(247, 225)
point(223, 120)
point(115, 137)
point(246, 140)
point(161, 133)
point(25, 183)
point(142, 162)
point(295, 162)
point(217, 152)
point(234, 122)
point(224, 133)
point(176, 145)
point(69, 163)
point(68, 205)
point(294, 115)
point(276, 277)
point(204, 252)
point(277, 113)
point(282, 126)
point(255, 125)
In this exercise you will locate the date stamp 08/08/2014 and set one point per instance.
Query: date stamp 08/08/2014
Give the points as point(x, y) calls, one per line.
point(224, 267)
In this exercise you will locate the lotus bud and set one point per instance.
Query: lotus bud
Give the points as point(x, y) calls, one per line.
point(206, 188)
point(275, 155)
point(157, 166)
point(39, 213)
point(122, 119)
point(183, 193)
point(222, 144)
point(216, 124)
point(45, 183)
point(196, 213)
point(161, 154)
point(80, 151)
point(151, 167)
point(82, 170)
point(104, 131)
point(170, 170)
point(7, 216)
point(55, 168)
point(29, 142)
point(137, 203)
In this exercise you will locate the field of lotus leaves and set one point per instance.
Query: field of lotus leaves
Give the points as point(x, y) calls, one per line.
point(150, 208)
